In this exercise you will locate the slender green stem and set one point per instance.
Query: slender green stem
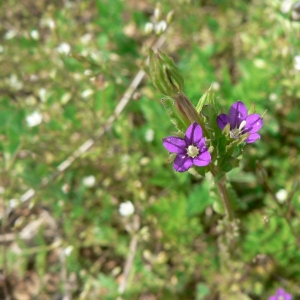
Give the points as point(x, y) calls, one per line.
point(223, 191)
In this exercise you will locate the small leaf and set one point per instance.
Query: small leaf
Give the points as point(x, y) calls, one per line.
point(171, 157)
point(226, 130)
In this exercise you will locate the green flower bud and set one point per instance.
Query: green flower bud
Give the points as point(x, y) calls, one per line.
point(165, 75)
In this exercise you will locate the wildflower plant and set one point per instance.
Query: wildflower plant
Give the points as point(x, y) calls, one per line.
point(207, 140)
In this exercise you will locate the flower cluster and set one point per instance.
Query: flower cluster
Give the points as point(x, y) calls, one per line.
point(192, 150)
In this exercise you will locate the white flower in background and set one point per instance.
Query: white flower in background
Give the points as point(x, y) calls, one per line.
point(47, 22)
point(51, 24)
point(273, 97)
point(34, 119)
point(10, 34)
point(65, 188)
point(149, 136)
point(149, 27)
point(161, 26)
point(85, 39)
point(286, 6)
point(215, 86)
point(297, 62)
point(281, 195)
point(13, 203)
point(68, 250)
point(1, 49)
point(87, 93)
point(65, 98)
point(34, 34)
point(89, 181)
point(88, 72)
point(14, 82)
point(126, 209)
point(43, 94)
point(64, 48)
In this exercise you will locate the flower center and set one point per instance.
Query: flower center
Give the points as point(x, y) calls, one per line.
point(236, 132)
point(192, 151)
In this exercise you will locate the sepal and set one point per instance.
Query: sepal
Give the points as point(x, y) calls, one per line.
point(252, 109)
point(171, 157)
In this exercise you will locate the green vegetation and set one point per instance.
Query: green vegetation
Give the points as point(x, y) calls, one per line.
point(65, 66)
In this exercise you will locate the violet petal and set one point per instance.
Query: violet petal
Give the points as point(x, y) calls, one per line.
point(273, 298)
point(252, 138)
point(283, 293)
point(202, 159)
point(201, 145)
point(237, 113)
point(222, 121)
point(253, 123)
point(193, 134)
point(175, 144)
point(182, 163)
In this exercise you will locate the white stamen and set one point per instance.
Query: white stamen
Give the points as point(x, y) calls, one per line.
point(242, 125)
point(192, 151)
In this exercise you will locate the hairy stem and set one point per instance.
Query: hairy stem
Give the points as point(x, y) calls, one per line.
point(223, 191)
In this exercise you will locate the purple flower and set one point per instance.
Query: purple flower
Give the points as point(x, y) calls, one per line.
point(281, 295)
point(240, 122)
point(190, 150)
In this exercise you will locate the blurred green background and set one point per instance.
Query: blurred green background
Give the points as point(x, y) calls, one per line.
point(65, 65)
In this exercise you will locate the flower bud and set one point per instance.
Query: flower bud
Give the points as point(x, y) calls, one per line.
point(165, 75)
point(170, 16)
